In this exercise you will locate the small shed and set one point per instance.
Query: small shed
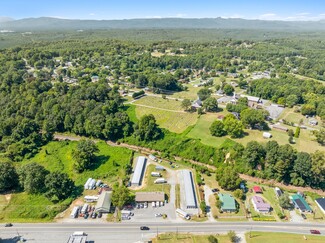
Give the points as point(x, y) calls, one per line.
point(257, 189)
point(267, 135)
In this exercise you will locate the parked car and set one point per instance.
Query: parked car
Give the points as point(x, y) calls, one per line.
point(315, 232)
point(144, 228)
point(86, 216)
point(158, 215)
point(8, 224)
point(214, 190)
point(94, 215)
point(100, 214)
point(138, 206)
point(303, 216)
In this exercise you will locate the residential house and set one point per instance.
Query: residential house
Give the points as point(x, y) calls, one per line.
point(257, 189)
point(260, 205)
point(300, 203)
point(228, 203)
point(321, 204)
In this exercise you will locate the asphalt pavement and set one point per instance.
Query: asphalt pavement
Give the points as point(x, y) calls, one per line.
point(130, 232)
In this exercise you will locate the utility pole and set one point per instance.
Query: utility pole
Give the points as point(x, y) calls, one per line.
point(250, 232)
point(157, 234)
point(176, 233)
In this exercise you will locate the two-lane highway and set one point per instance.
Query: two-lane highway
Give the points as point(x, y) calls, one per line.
point(130, 232)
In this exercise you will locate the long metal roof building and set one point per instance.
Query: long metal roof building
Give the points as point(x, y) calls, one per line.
point(189, 187)
point(138, 171)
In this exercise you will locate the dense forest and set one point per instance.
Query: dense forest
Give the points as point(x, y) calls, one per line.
point(76, 85)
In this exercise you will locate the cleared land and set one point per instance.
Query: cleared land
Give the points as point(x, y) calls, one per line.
point(282, 238)
point(168, 113)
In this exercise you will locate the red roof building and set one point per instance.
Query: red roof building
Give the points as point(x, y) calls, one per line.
point(257, 189)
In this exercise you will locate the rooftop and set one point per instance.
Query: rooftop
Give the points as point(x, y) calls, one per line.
point(189, 189)
point(228, 202)
point(301, 202)
point(321, 202)
point(260, 204)
point(138, 171)
point(257, 189)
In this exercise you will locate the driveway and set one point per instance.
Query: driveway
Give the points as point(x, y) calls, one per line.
point(207, 194)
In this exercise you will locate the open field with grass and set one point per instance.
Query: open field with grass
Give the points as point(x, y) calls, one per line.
point(57, 156)
point(201, 130)
point(150, 186)
point(188, 238)
point(289, 115)
point(174, 121)
point(108, 166)
point(267, 237)
point(159, 102)
point(31, 208)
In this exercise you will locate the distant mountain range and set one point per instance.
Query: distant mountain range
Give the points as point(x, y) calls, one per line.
point(49, 24)
point(5, 19)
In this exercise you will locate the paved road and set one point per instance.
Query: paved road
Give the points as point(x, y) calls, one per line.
point(130, 232)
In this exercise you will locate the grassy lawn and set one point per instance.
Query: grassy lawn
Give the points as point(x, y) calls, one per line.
point(160, 103)
point(109, 164)
point(174, 121)
point(201, 130)
point(150, 186)
point(190, 94)
point(31, 208)
point(188, 238)
point(269, 237)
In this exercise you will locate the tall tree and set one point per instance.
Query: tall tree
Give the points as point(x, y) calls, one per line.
point(254, 154)
point(84, 155)
point(147, 129)
point(217, 129)
point(32, 177)
point(58, 186)
point(9, 177)
point(210, 104)
point(186, 104)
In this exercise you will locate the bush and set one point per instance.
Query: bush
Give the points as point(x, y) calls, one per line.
point(137, 94)
point(212, 239)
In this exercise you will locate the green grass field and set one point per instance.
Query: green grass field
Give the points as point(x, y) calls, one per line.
point(267, 237)
point(31, 208)
point(57, 156)
point(188, 238)
point(174, 121)
point(108, 165)
point(159, 102)
point(201, 130)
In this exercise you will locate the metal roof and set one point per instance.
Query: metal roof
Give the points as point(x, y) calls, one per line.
point(138, 171)
point(228, 202)
point(104, 202)
point(300, 202)
point(189, 189)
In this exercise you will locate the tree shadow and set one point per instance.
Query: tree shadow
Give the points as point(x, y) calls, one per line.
point(99, 160)
point(12, 240)
point(78, 191)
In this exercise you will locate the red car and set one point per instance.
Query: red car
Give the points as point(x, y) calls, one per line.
point(316, 232)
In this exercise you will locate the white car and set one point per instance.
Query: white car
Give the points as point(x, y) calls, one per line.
point(158, 215)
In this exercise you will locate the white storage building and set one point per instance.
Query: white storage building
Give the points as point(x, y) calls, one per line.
point(139, 171)
point(86, 186)
point(189, 189)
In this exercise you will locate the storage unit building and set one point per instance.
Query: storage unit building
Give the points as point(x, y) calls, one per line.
point(149, 197)
point(139, 171)
point(104, 202)
point(189, 189)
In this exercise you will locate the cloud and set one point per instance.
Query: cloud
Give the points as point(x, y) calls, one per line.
point(92, 14)
point(268, 16)
point(234, 16)
point(153, 17)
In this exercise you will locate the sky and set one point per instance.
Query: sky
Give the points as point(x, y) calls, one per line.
point(129, 9)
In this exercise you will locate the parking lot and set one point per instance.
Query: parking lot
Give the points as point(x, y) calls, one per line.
point(148, 214)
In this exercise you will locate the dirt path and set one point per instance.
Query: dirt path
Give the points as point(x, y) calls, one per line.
point(242, 176)
point(157, 108)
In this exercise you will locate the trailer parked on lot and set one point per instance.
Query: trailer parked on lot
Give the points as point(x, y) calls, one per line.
point(98, 183)
point(86, 186)
point(153, 158)
point(84, 208)
point(74, 212)
point(78, 237)
point(160, 181)
point(155, 174)
point(91, 198)
point(159, 167)
point(183, 214)
point(92, 184)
